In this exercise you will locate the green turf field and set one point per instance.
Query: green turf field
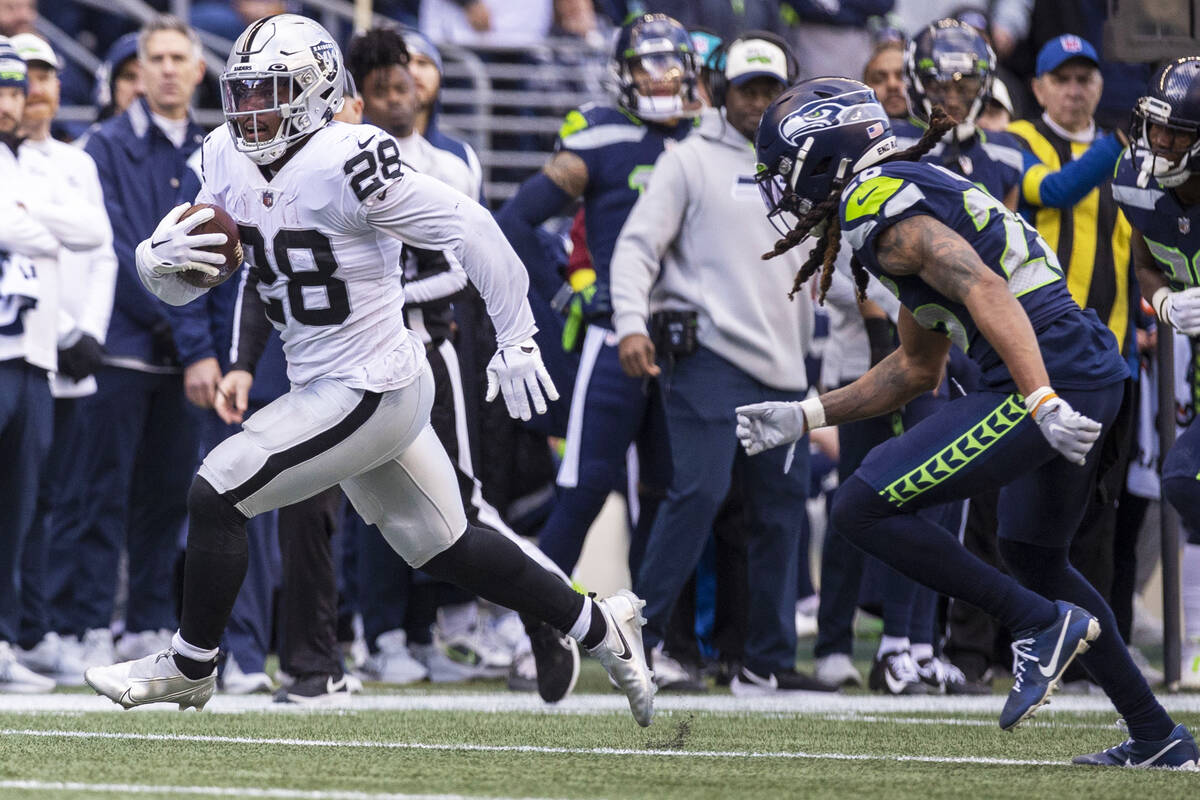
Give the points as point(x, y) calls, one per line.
point(491, 743)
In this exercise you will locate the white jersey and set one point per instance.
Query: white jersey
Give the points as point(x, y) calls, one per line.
point(323, 238)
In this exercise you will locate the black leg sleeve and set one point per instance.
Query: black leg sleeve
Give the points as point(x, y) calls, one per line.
point(214, 565)
point(487, 564)
point(308, 602)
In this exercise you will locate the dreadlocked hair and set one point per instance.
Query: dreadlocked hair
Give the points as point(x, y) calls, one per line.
point(824, 254)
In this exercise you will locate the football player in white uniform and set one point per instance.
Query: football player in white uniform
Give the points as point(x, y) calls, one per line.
point(322, 208)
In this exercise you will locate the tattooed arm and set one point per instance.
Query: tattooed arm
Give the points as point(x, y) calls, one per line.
point(912, 369)
point(924, 247)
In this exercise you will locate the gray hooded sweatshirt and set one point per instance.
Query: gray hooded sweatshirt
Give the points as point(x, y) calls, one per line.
point(693, 241)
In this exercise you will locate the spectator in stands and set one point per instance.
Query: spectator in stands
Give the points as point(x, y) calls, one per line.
point(40, 215)
point(498, 23)
point(141, 439)
point(86, 282)
point(17, 16)
point(119, 79)
point(228, 18)
point(725, 19)
point(723, 336)
point(819, 28)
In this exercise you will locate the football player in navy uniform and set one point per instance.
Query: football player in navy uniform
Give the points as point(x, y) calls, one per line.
point(971, 273)
point(325, 269)
point(1157, 185)
point(605, 156)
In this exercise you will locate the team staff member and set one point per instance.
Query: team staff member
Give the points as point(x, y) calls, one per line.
point(141, 440)
point(749, 345)
point(38, 217)
point(86, 281)
point(1079, 218)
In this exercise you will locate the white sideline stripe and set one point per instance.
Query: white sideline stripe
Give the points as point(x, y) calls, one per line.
point(795, 703)
point(224, 791)
point(526, 748)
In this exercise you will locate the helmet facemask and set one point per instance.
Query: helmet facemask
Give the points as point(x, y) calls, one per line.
point(284, 80)
point(1169, 167)
point(660, 83)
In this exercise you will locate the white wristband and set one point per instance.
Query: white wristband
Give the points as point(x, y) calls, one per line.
point(1157, 301)
point(1037, 397)
point(814, 413)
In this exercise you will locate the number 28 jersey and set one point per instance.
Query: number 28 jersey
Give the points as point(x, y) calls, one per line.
point(1078, 350)
point(332, 284)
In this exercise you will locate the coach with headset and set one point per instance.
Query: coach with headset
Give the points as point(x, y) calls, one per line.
point(696, 307)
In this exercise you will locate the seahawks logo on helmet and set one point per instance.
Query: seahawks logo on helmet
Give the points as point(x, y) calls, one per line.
point(826, 115)
point(326, 58)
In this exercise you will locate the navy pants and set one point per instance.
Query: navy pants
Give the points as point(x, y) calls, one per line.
point(1181, 479)
point(59, 496)
point(843, 565)
point(609, 411)
point(139, 455)
point(26, 429)
point(704, 391)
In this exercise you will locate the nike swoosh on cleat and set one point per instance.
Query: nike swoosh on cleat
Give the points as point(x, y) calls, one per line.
point(1152, 758)
point(628, 654)
point(1057, 650)
point(895, 685)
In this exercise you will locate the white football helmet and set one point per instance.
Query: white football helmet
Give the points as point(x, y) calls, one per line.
point(285, 68)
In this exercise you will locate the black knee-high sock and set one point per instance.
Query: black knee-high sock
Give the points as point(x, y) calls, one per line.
point(927, 553)
point(487, 564)
point(214, 567)
point(1048, 572)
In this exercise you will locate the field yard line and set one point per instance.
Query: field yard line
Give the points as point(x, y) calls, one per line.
point(224, 791)
point(798, 703)
point(524, 748)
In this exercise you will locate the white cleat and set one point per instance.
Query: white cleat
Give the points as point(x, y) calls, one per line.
point(623, 655)
point(153, 679)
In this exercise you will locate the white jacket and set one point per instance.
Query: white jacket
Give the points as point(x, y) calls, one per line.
point(39, 216)
point(693, 241)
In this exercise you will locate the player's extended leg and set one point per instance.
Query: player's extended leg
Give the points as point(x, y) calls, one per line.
point(300, 444)
point(1038, 514)
point(981, 440)
point(414, 501)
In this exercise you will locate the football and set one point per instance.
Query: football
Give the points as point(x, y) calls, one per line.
point(231, 250)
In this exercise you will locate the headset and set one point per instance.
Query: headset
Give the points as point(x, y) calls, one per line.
point(718, 84)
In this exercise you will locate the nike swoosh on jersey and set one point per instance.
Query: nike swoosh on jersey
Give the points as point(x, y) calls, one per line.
point(362, 145)
point(1057, 650)
point(859, 202)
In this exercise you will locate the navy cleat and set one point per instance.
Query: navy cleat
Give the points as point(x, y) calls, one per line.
point(1040, 660)
point(1177, 751)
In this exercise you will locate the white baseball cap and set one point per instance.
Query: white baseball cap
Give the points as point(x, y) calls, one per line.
point(755, 58)
point(31, 47)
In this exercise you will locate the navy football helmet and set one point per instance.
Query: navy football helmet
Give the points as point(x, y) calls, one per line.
point(819, 131)
point(1168, 116)
point(654, 65)
point(948, 56)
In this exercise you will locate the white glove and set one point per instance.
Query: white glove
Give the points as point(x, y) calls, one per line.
point(1069, 432)
point(765, 425)
point(518, 372)
point(173, 249)
point(1180, 310)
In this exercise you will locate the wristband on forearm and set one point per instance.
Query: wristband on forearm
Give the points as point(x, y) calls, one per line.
point(1158, 301)
point(1036, 398)
point(814, 413)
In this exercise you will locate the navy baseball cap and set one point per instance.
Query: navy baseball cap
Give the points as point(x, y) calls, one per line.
point(1062, 49)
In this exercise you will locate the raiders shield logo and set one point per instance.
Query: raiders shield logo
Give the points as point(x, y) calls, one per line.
point(324, 53)
point(1185, 225)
